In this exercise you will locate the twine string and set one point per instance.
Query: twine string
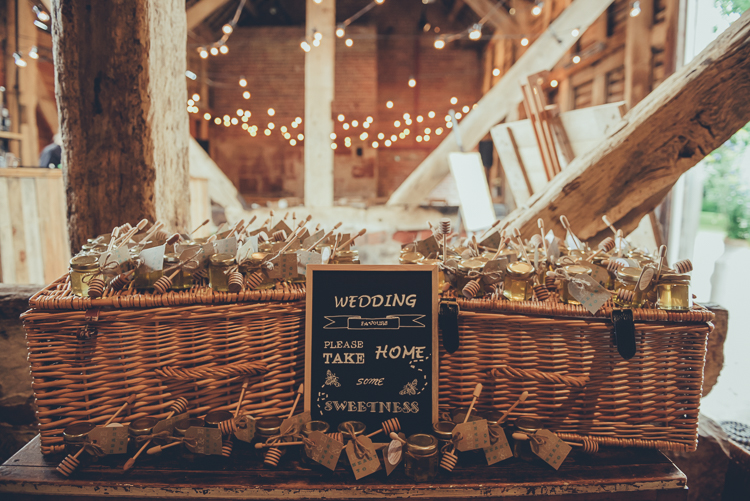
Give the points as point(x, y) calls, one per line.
point(359, 449)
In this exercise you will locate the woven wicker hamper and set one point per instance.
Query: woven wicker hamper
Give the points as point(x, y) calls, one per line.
point(578, 384)
point(88, 356)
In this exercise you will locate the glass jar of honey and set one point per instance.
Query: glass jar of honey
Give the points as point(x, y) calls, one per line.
point(467, 269)
point(571, 269)
point(169, 261)
point(82, 270)
point(75, 435)
point(306, 430)
point(443, 431)
point(519, 281)
point(346, 257)
point(421, 457)
point(140, 427)
point(627, 279)
point(410, 258)
point(265, 247)
point(522, 448)
point(180, 428)
point(673, 292)
point(265, 428)
point(218, 271)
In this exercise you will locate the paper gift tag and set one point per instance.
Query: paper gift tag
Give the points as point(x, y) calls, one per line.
point(245, 429)
point(117, 255)
point(302, 237)
point(249, 246)
point(297, 421)
point(112, 439)
point(281, 225)
point(326, 450)
point(492, 241)
point(208, 440)
point(284, 267)
point(153, 259)
point(599, 274)
point(168, 424)
point(304, 258)
point(392, 454)
point(190, 253)
point(428, 247)
point(553, 250)
point(498, 267)
point(226, 246)
point(368, 463)
point(498, 451)
point(553, 451)
point(592, 297)
point(307, 242)
point(474, 435)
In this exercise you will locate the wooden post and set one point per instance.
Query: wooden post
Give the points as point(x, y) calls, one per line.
point(689, 115)
point(319, 73)
point(542, 55)
point(27, 84)
point(121, 94)
point(638, 54)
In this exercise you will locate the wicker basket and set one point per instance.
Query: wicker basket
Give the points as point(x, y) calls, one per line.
point(578, 384)
point(88, 356)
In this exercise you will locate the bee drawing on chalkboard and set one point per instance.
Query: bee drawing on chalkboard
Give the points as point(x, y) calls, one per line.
point(331, 379)
point(409, 388)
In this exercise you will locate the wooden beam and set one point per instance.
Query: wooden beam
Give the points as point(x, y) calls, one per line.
point(123, 124)
point(497, 16)
point(201, 10)
point(542, 55)
point(319, 84)
point(689, 115)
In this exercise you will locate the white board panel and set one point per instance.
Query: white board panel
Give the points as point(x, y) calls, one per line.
point(477, 210)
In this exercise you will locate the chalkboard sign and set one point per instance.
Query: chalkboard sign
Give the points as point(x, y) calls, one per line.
point(371, 350)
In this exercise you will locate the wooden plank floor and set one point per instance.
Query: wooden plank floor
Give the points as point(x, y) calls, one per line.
point(612, 474)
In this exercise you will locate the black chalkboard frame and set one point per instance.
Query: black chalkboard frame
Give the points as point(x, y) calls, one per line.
point(310, 288)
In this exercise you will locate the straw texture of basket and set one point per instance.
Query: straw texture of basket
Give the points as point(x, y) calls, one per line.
point(579, 386)
point(88, 356)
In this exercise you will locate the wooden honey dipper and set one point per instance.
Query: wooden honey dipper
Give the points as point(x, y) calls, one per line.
point(204, 223)
point(121, 280)
point(177, 407)
point(683, 266)
point(273, 454)
point(504, 241)
point(445, 229)
point(96, 287)
point(471, 289)
point(388, 426)
point(449, 458)
point(326, 236)
point(351, 240)
point(164, 283)
point(123, 240)
point(541, 292)
point(488, 230)
point(520, 400)
point(394, 436)
point(229, 426)
point(540, 225)
point(235, 281)
point(279, 236)
point(71, 462)
point(517, 234)
point(605, 246)
point(566, 225)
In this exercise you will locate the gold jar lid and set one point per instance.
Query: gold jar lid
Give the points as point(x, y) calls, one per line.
point(222, 259)
point(430, 262)
point(577, 269)
point(268, 426)
point(85, 263)
point(213, 418)
point(528, 425)
point(674, 278)
point(359, 427)
point(347, 254)
point(629, 274)
point(494, 417)
point(459, 413)
point(171, 258)
point(519, 269)
point(88, 247)
point(181, 427)
point(421, 444)
point(142, 426)
point(410, 258)
point(576, 254)
point(312, 426)
point(443, 430)
point(257, 258)
point(472, 264)
point(77, 432)
point(265, 247)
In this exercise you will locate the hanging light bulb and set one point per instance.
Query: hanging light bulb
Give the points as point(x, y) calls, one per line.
point(243, 82)
point(333, 136)
point(203, 52)
point(223, 49)
point(576, 59)
point(389, 104)
point(246, 95)
point(454, 100)
point(431, 114)
point(553, 83)
point(340, 31)
point(19, 60)
point(207, 116)
point(496, 72)
point(412, 82)
point(41, 14)
point(34, 53)
point(305, 45)
point(379, 2)
point(375, 144)
point(349, 42)
point(214, 51)
point(191, 75)
point(196, 97)
point(537, 9)
point(440, 43)
point(354, 123)
point(575, 32)
point(635, 8)
point(271, 112)
point(227, 29)
point(476, 32)
point(524, 41)
point(316, 42)
point(341, 117)
point(317, 35)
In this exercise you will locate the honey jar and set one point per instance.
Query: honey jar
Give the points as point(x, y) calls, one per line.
point(266, 247)
point(140, 427)
point(306, 430)
point(421, 457)
point(627, 278)
point(183, 279)
point(75, 435)
point(359, 429)
point(571, 269)
point(180, 428)
point(467, 268)
point(522, 448)
point(265, 428)
point(82, 270)
point(519, 281)
point(673, 292)
point(346, 257)
point(218, 271)
point(443, 431)
point(410, 258)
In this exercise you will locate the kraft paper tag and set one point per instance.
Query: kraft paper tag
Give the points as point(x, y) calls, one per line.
point(492, 241)
point(208, 440)
point(281, 225)
point(553, 250)
point(168, 424)
point(248, 247)
point(302, 237)
point(498, 451)
point(304, 258)
point(392, 454)
point(599, 274)
point(117, 255)
point(326, 450)
point(245, 429)
point(112, 439)
point(552, 451)
point(189, 253)
point(368, 463)
point(428, 246)
point(592, 297)
point(474, 435)
point(284, 267)
point(307, 242)
point(497, 268)
point(226, 246)
point(297, 421)
point(153, 259)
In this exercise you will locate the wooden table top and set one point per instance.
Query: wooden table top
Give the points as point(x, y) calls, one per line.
point(610, 474)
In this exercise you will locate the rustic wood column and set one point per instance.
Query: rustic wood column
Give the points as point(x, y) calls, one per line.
point(319, 72)
point(638, 54)
point(121, 95)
